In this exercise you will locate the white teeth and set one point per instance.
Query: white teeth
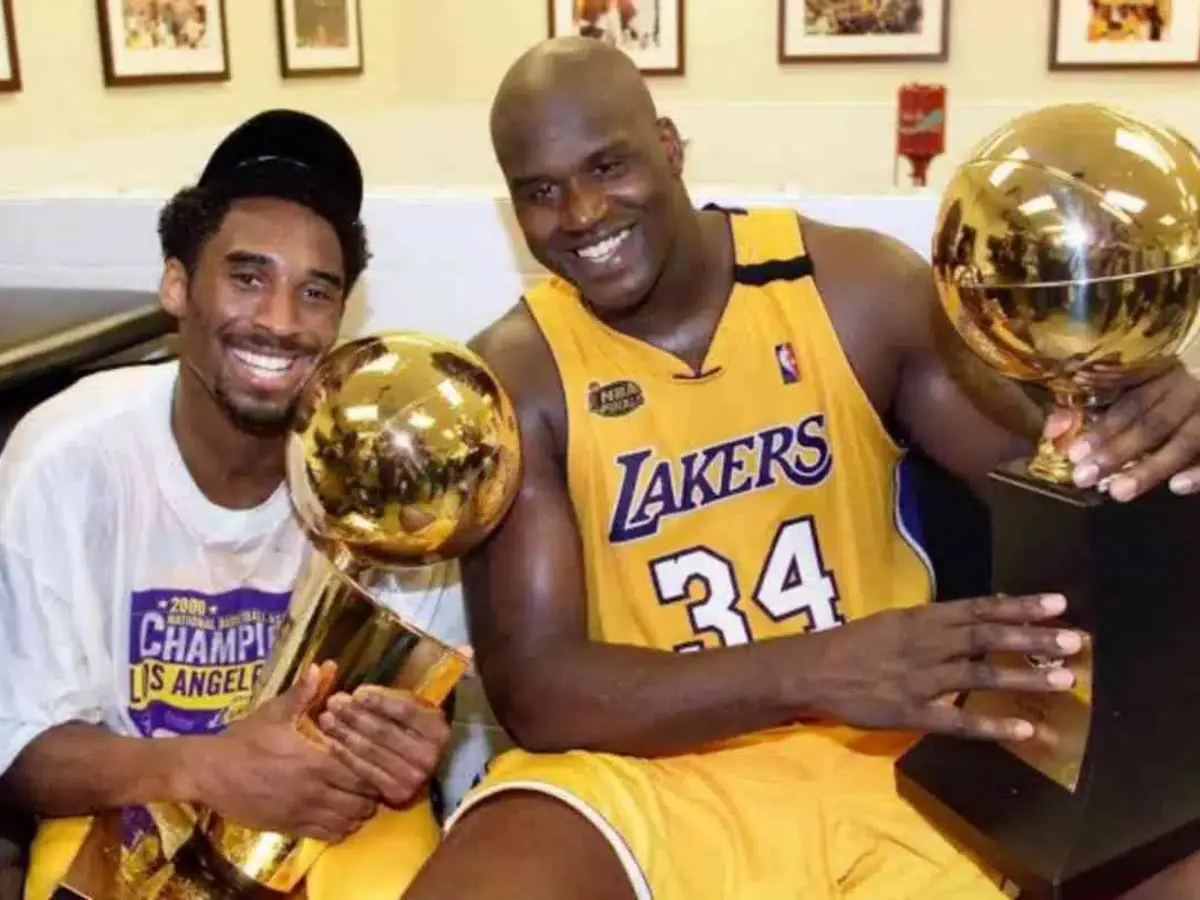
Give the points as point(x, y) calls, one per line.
point(605, 249)
point(263, 362)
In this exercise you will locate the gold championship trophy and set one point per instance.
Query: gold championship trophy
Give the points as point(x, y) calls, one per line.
point(404, 453)
point(1067, 255)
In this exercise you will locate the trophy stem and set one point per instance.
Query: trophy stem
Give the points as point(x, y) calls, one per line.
point(1051, 463)
point(338, 622)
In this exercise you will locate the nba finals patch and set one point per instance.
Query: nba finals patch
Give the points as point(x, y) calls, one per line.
point(618, 398)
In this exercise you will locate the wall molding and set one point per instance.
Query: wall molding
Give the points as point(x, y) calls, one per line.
point(446, 260)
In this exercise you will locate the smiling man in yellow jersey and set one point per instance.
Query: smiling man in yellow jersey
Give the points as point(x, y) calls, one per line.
point(706, 621)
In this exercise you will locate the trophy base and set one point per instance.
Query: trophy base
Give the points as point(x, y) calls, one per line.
point(1111, 797)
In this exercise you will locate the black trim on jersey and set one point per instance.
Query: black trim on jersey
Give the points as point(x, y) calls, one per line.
point(760, 274)
point(728, 210)
point(698, 376)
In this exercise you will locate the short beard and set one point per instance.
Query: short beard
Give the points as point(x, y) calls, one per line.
point(252, 419)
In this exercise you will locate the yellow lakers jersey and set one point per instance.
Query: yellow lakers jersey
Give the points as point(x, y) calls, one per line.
point(760, 497)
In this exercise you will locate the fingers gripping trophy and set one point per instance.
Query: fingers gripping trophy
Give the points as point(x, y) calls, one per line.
point(1067, 255)
point(403, 453)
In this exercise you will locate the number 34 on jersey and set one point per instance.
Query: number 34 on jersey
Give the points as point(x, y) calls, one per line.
point(792, 581)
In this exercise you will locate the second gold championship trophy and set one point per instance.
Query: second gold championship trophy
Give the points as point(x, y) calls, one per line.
point(404, 453)
point(1067, 255)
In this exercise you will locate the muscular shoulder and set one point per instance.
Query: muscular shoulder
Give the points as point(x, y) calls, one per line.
point(879, 294)
point(872, 274)
point(517, 350)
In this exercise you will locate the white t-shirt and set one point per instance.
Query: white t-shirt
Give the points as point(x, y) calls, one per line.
point(129, 599)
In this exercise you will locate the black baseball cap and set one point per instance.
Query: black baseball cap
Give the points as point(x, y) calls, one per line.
point(292, 155)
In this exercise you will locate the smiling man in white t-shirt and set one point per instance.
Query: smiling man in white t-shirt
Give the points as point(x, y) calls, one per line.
point(148, 548)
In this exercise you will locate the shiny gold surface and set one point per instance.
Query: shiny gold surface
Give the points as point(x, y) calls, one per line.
point(405, 452)
point(1067, 253)
point(1062, 720)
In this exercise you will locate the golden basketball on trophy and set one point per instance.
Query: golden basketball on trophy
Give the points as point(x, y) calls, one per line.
point(404, 453)
point(1065, 254)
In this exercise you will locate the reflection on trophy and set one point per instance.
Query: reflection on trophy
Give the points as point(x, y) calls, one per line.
point(1072, 260)
point(1067, 255)
point(404, 453)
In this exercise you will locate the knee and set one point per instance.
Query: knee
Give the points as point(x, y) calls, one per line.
point(522, 843)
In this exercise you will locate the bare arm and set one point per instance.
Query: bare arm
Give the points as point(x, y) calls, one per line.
point(261, 771)
point(77, 769)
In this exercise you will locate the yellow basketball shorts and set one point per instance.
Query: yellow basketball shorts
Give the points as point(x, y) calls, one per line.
point(375, 863)
point(793, 813)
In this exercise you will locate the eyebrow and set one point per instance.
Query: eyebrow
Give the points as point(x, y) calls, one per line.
point(618, 145)
point(247, 257)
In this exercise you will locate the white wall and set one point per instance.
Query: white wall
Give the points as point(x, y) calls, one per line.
point(446, 263)
point(443, 262)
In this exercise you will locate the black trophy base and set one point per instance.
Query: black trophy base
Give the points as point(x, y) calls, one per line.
point(1131, 576)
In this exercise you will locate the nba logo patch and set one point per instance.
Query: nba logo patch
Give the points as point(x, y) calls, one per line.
point(789, 368)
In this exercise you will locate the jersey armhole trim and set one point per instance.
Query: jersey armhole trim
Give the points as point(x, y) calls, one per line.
point(633, 869)
point(562, 389)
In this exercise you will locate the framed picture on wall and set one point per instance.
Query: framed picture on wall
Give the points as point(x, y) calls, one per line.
point(157, 42)
point(649, 31)
point(1103, 34)
point(864, 31)
point(319, 37)
point(10, 63)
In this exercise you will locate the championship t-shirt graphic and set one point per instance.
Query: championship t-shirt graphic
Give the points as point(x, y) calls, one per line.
point(194, 657)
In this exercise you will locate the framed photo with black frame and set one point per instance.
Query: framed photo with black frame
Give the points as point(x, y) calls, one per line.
point(825, 31)
point(1151, 34)
point(146, 42)
point(319, 37)
point(651, 32)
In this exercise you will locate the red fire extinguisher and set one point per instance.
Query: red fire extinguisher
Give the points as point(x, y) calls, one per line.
point(920, 127)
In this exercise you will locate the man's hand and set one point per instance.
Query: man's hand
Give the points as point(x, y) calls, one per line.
point(897, 669)
point(1156, 426)
point(389, 738)
point(265, 773)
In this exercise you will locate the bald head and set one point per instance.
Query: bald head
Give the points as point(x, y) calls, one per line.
point(590, 75)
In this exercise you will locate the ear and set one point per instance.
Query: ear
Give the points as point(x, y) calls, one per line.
point(173, 288)
point(673, 144)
